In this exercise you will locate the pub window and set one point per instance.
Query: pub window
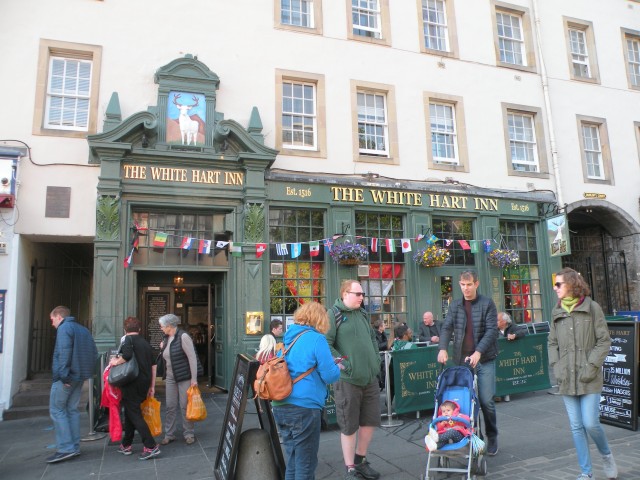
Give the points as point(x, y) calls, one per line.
point(177, 226)
point(385, 288)
point(522, 295)
point(454, 229)
point(300, 279)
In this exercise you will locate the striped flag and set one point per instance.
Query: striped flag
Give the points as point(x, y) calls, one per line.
point(406, 245)
point(314, 248)
point(204, 247)
point(160, 239)
point(374, 245)
point(260, 249)
point(296, 249)
point(390, 244)
point(186, 243)
point(281, 249)
point(129, 259)
point(235, 249)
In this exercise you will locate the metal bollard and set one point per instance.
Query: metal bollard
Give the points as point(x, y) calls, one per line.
point(389, 422)
point(93, 435)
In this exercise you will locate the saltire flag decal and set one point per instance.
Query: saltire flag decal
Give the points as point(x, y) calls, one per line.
point(260, 249)
point(314, 248)
point(281, 249)
point(406, 245)
point(296, 249)
point(390, 244)
point(186, 243)
point(374, 245)
point(204, 247)
point(160, 239)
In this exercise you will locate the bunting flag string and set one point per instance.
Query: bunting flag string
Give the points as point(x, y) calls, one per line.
point(159, 240)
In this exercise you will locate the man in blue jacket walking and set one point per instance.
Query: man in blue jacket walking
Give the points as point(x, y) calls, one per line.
point(74, 358)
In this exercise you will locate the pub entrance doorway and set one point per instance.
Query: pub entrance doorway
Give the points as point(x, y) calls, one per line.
point(197, 298)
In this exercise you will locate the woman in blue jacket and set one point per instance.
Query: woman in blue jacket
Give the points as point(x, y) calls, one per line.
point(299, 415)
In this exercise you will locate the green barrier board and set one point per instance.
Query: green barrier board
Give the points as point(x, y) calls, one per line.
point(522, 365)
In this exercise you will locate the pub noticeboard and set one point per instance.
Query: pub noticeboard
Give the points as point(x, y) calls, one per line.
point(243, 376)
point(619, 398)
point(157, 305)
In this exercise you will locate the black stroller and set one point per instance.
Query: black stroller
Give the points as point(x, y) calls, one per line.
point(459, 384)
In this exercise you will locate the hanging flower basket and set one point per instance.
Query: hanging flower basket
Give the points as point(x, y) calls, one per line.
point(349, 253)
point(504, 258)
point(432, 256)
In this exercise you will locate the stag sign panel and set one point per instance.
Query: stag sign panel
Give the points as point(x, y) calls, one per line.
point(186, 118)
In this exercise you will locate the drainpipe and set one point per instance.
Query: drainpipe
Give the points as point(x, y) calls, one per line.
point(547, 103)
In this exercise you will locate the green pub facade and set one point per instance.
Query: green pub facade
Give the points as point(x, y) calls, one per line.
point(193, 220)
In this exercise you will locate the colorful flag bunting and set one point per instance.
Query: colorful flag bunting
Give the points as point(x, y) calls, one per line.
point(390, 244)
point(296, 249)
point(160, 239)
point(314, 248)
point(448, 242)
point(186, 243)
point(281, 249)
point(221, 244)
point(464, 244)
point(204, 247)
point(327, 244)
point(419, 237)
point(487, 246)
point(406, 245)
point(474, 246)
point(260, 249)
point(433, 239)
point(374, 245)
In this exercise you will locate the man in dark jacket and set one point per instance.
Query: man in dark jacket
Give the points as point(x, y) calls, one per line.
point(473, 320)
point(74, 360)
point(428, 330)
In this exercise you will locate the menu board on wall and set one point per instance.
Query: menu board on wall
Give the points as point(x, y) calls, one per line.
point(157, 305)
point(619, 398)
point(3, 296)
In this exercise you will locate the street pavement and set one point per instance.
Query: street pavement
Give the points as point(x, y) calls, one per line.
point(535, 444)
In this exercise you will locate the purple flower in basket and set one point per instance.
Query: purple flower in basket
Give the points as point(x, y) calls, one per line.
point(504, 258)
point(345, 251)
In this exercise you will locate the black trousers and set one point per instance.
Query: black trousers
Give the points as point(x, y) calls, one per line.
point(133, 420)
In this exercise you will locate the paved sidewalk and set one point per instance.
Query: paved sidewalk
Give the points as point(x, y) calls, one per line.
point(535, 444)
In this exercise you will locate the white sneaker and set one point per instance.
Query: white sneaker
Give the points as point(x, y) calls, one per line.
point(506, 398)
point(431, 445)
point(584, 476)
point(434, 434)
point(609, 466)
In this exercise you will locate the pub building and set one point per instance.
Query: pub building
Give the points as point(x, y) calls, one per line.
point(200, 225)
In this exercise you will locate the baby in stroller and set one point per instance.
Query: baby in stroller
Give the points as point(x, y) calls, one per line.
point(450, 430)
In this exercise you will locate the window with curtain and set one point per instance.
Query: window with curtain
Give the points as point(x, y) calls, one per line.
point(522, 295)
point(522, 140)
point(295, 281)
point(68, 94)
point(579, 53)
point(385, 288)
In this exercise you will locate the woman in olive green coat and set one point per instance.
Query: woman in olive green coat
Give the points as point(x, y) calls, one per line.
point(578, 344)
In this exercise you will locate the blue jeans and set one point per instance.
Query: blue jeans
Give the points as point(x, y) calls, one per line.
point(584, 417)
point(300, 431)
point(63, 408)
point(486, 391)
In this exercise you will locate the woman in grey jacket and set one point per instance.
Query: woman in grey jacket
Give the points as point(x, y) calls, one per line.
point(578, 344)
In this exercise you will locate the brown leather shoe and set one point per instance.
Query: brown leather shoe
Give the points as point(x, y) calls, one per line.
point(190, 440)
point(166, 440)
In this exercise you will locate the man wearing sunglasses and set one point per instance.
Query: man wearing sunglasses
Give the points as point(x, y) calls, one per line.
point(474, 323)
point(357, 394)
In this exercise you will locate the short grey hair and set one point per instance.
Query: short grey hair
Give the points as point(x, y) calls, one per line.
point(506, 317)
point(169, 320)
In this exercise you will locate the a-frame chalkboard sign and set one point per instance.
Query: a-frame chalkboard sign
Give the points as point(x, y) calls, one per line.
point(243, 376)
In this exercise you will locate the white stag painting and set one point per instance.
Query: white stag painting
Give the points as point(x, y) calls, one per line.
point(186, 118)
point(558, 235)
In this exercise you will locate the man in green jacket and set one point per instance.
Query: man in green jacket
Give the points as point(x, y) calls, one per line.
point(353, 342)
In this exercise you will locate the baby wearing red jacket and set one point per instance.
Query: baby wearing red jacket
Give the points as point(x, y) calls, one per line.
point(449, 430)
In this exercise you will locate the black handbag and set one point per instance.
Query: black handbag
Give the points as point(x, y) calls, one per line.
point(127, 372)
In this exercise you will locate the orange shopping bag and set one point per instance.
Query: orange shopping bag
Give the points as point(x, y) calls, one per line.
point(196, 411)
point(151, 413)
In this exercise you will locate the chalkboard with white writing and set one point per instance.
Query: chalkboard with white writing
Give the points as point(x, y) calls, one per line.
point(619, 398)
point(241, 387)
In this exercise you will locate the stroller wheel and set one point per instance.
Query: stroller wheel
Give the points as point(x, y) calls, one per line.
point(482, 466)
